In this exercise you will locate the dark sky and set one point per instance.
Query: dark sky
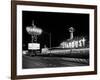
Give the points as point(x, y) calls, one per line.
point(55, 23)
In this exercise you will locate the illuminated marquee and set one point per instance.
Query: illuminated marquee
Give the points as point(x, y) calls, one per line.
point(74, 43)
point(33, 46)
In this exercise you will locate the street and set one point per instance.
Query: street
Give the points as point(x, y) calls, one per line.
point(46, 62)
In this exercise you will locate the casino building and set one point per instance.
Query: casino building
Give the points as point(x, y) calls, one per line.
point(77, 47)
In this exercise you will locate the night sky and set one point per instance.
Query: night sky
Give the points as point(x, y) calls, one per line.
point(55, 23)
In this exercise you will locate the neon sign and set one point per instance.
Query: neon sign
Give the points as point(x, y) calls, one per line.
point(74, 43)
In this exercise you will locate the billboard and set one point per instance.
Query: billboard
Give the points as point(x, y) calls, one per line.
point(33, 46)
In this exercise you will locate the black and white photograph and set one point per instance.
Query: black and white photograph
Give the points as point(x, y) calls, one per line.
point(51, 39)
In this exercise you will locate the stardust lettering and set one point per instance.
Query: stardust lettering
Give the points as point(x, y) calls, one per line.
point(74, 44)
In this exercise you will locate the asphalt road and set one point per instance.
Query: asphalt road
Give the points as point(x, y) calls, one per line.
point(46, 62)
